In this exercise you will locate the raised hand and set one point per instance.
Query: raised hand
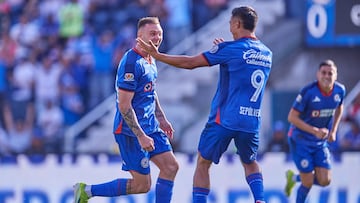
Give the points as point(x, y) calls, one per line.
point(148, 47)
point(218, 41)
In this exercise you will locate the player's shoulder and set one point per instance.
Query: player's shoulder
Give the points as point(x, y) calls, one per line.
point(131, 55)
point(340, 86)
point(130, 58)
point(309, 87)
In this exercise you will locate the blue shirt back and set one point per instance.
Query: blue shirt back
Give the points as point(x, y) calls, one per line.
point(317, 109)
point(245, 66)
point(138, 75)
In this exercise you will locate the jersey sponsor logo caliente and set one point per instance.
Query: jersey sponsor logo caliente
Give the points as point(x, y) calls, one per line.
point(322, 113)
point(254, 57)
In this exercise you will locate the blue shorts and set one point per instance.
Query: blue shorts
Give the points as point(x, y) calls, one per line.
point(134, 157)
point(215, 140)
point(306, 157)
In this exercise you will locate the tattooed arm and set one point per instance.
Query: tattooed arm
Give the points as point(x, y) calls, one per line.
point(128, 114)
point(165, 125)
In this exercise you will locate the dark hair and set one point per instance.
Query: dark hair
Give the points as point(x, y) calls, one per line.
point(148, 20)
point(327, 62)
point(247, 15)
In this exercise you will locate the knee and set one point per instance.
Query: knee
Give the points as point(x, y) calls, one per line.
point(143, 189)
point(171, 169)
point(251, 168)
point(140, 187)
point(324, 182)
point(203, 164)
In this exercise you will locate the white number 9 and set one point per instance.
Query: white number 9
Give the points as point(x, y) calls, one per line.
point(257, 81)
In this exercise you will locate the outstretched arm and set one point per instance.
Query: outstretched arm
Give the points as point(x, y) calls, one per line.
point(180, 61)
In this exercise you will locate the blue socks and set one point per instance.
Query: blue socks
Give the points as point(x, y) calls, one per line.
point(163, 190)
point(302, 194)
point(200, 194)
point(255, 182)
point(110, 189)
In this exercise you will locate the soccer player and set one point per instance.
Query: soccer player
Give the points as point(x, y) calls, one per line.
point(314, 118)
point(140, 127)
point(245, 64)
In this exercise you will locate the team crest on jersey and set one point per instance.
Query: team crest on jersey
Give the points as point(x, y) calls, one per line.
point(145, 162)
point(304, 163)
point(337, 98)
point(214, 49)
point(148, 87)
point(298, 98)
point(129, 77)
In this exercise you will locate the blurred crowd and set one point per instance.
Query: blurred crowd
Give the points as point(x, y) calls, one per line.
point(350, 140)
point(58, 59)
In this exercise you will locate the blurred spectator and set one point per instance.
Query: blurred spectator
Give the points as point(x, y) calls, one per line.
point(351, 139)
point(31, 8)
point(8, 49)
point(19, 118)
point(278, 142)
point(71, 18)
point(102, 75)
point(137, 9)
point(24, 74)
point(46, 82)
point(109, 14)
point(215, 6)
point(179, 21)
point(19, 137)
point(3, 87)
point(18, 104)
point(25, 33)
point(81, 71)
point(50, 127)
point(3, 141)
point(50, 7)
point(204, 10)
point(354, 109)
point(49, 27)
point(72, 103)
point(158, 8)
point(15, 8)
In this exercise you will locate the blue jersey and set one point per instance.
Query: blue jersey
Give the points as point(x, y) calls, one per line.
point(138, 75)
point(244, 69)
point(317, 109)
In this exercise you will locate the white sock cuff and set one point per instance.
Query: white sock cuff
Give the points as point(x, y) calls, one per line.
point(88, 190)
